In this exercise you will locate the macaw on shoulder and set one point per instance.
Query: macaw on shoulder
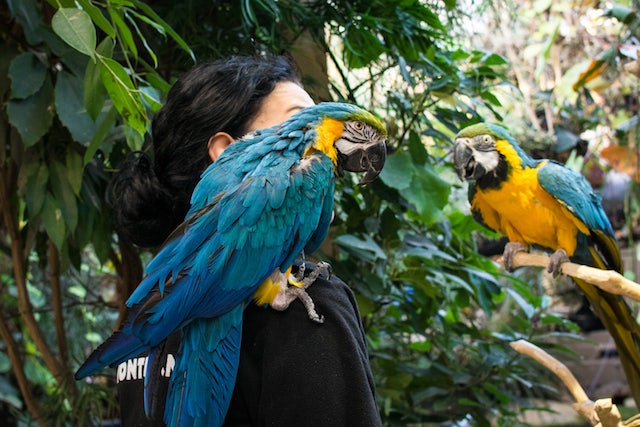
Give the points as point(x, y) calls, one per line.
point(546, 204)
point(265, 200)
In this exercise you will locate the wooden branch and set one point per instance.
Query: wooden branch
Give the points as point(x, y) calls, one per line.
point(555, 366)
point(608, 280)
point(602, 413)
point(19, 272)
point(53, 259)
point(25, 386)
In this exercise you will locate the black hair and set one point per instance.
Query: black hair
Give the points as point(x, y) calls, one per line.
point(150, 194)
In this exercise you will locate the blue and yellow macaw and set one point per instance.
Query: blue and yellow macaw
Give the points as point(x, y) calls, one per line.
point(267, 199)
point(544, 203)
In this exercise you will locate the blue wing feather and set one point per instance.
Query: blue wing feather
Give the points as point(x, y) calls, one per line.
point(572, 190)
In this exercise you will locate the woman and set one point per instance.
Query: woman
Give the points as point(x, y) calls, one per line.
point(292, 372)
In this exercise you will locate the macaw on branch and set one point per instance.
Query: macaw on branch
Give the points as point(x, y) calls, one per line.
point(546, 204)
point(264, 201)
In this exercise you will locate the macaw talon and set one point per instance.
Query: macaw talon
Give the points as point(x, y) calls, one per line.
point(556, 260)
point(282, 301)
point(305, 299)
point(297, 290)
point(510, 250)
point(321, 267)
point(297, 279)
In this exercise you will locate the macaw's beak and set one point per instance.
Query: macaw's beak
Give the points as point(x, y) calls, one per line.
point(464, 161)
point(369, 158)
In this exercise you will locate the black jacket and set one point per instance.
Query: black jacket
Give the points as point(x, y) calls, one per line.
point(292, 372)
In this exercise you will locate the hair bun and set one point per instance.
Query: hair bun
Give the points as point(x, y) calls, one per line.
point(142, 208)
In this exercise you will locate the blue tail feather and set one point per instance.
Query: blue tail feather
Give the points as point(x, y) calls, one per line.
point(116, 349)
point(205, 371)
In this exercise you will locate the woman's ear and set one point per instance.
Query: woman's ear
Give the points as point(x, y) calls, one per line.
point(218, 143)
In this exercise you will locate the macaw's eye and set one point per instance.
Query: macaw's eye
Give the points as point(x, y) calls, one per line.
point(483, 142)
point(358, 125)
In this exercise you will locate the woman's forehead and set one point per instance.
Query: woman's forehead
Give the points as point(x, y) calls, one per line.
point(286, 99)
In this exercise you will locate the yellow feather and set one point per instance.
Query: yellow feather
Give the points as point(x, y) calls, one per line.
point(271, 287)
point(524, 211)
point(328, 132)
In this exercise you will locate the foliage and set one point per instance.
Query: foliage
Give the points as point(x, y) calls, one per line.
point(79, 82)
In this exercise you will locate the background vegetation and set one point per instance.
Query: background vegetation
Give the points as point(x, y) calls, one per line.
point(80, 81)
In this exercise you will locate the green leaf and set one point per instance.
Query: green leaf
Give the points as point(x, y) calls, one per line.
point(27, 75)
point(397, 170)
point(150, 13)
point(123, 94)
point(104, 127)
point(8, 393)
point(70, 108)
point(53, 221)
point(367, 247)
point(98, 18)
point(622, 13)
point(141, 36)
point(72, 59)
point(7, 54)
point(124, 31)
point(78, 291)
point(64, 195)
point(26, 13)
point(361, 47)
point(495, 59)
point(75, 27)
point(428, 193)
point(93, 89)
point(74, 167)
point(33, 116)
point(36, 189)
point(420, 185)
point(491, 98)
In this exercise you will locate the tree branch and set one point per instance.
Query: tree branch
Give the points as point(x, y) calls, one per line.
point(18, 371)
point(601, 413)
point(19, 272)
point(53, 258)
point(56, 300)
point(608, 280)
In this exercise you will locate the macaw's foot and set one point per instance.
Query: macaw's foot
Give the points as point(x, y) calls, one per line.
point(297, 290)
point(556, 260)
point(510, 250)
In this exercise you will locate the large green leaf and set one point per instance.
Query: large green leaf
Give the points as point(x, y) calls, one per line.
point(104, 127)
point(419, 184)
point(33, 116)
point(123, 94)
point(98, 18)
point(53, 221)
point(27, 75)
point(93, 89)
point(26, 13)
point(63, 193)
point(397, 171)
point(70, 107)
point(74, 168)
point(36, 188)
point(123, 31)
point(74, 26)
point(167, 28)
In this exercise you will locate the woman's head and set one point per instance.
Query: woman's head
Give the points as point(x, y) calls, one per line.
point(151, 197)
